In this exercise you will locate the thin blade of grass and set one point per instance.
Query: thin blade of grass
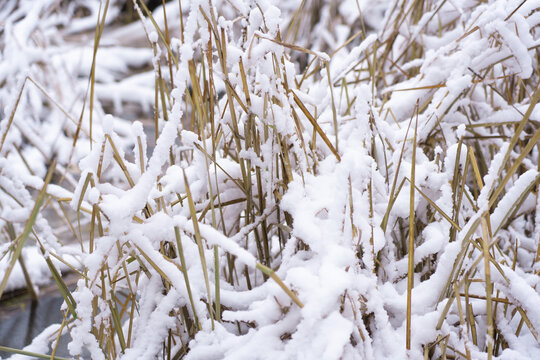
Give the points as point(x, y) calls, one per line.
point(410, 270)
point(488, 287)
point(186, 277)
point(198, 239)
point(384, 222)
point(266, 270)
point(64, 290)
point(12, 116)
point(28, 227)
point(315, 125)
point(31, 354)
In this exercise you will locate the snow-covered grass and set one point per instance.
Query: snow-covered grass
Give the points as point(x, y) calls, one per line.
point(321, 179)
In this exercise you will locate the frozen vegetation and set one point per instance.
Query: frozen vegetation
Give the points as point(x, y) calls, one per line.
point(273, 179)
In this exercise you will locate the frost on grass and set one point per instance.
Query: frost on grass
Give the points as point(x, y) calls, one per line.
point(261, 210)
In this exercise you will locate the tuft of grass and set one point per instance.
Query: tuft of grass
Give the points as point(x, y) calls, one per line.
point(178, 235)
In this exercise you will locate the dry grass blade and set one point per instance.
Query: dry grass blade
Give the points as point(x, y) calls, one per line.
point(217, 281)
point(315, 125)
point(516, 205)
point(119, 161)
point(334, 111)
point(462, 320)
point(293, 21)
point(519, 130)
point(57, 104)
point(153, 264)
point(29, 285)
point(410, 269)
point(426, 87)
point(436, 207)
point(12, 116)
point(515, 165)
point(529, 324)
point(117, 324)
point(488, 285)
point(266, 270)
point(322, 56)
point(158, 30)
point(64, 290)
point(31, 354)
point(185, 273)
point(21, 239)
point(198, 239)
point(97, 37)
point(393, 194)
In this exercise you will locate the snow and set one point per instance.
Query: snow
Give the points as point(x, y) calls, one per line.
point(37, 268)
point(81, 334)
point(337, 287)
point(40, 344)
point(153, 37)
point(507, 204)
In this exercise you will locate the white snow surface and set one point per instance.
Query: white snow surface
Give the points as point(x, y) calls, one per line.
point(323, 218)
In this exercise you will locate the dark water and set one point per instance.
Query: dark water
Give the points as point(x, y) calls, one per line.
point(22, 319)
